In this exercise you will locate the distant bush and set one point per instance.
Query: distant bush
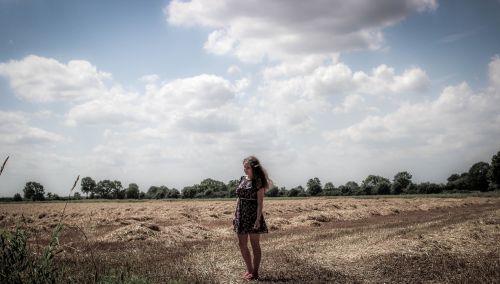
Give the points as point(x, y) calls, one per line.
point(429, 188)
point(18, 197)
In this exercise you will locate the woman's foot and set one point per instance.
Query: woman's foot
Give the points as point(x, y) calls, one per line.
point(247, 275)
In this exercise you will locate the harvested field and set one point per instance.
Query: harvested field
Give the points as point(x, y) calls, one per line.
point(314, 240)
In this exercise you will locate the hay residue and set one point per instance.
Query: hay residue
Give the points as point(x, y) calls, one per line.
point(131, 233)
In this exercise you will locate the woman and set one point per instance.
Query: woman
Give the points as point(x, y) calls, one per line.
point(248, 218)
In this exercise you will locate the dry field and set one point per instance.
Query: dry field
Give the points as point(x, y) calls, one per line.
point(317, 240)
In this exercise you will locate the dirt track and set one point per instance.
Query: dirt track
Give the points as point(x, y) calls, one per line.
point(314, 240)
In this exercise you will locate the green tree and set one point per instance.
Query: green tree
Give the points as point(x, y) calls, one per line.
point(453, 178)
point(383, 188)
point(132, 191)
point(314, 187)
point(34, 191)
point(478, 176)
point(18, 197)
point(350, 188)
point(330, 189)
point(189, 192)
point(458, 182)
point(77, 196)
point(401, 182)
point(429, 188)
point(117, 190)
point(213, 188)
point(88, 185)
point(494, 172)
point(283, 191)
point(104, 188)
point(173, 193)
point(156, 192)
point(293, 192)
point(273, 192)
point(374, 184)
point(297, 191)
point(231, 186)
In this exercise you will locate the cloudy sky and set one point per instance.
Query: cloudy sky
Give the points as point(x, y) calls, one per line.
point(173, 92)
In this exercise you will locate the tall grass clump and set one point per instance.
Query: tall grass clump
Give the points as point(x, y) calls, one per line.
point(14, 256)
point(17, 261)
point(17, 264)
point(20, 263)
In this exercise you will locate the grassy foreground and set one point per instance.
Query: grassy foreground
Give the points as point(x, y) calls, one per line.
point(314, 240)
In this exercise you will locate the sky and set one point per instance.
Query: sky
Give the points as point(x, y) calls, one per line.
point(173, 92)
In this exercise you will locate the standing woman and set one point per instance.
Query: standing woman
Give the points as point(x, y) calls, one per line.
point(248, 218)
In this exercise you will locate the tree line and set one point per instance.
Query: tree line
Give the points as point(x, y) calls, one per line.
point(481, 176)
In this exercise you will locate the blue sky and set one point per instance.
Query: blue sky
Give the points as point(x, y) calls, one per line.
point(170, 93)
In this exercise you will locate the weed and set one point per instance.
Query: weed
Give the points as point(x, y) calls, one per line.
point(13, 256)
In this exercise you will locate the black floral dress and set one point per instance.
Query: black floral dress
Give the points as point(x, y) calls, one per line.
point(246, 208)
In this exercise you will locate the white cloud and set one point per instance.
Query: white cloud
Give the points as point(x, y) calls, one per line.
point(43, 79)
point(297, 66)
point(384, 81)
point(285, 29)
point(187, 102)
point(149, 79)
point(432, 138)
point(184, 130)
point(234, 70)
point(457, 120)
point(15, 129)
point(211, 122)
point(112, 108)
point(337, 78)
point(219, 42)
point(494, 72)
point(199, 92)
point(353, 103)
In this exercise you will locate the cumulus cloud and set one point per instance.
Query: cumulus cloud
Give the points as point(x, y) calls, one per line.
point(199, 92)
point(385, 81)
point(284, 29)
point(148, 79)
point(494, 72)
point(234, 70)
point(337, 78)
point(188, 104)
point(315, 84)
point(458, 119)
point(297, 66)
point(212, 121)
point(114, 107)
point(41, 79)
point(353, 103)
point(16, 129)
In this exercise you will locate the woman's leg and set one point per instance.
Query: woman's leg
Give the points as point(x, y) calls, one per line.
point(255, 241)
point(245, 253)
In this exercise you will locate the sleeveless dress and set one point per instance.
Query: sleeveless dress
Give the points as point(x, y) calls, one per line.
point(246, 208)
